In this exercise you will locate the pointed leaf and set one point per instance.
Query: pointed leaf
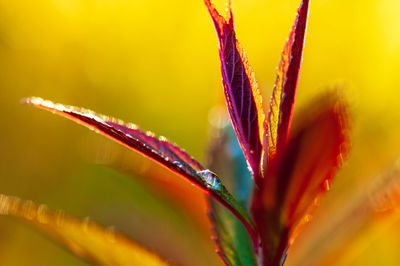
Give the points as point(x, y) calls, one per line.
point(83, 238)
point(241, 90)
point(226, 158)
point(301, 174)
point(284, 93)
point(157, 149)
point(313, 155)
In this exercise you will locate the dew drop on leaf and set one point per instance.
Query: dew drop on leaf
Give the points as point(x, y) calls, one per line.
point(42, 214)
point(29, 210)
point(60, 216)
point(211, 179)
point(4, 205)
point(178, 164)
point(327, 185)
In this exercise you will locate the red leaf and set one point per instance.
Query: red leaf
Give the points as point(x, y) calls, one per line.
point(284, 93)
point(300, 175)
point(241, 90)
point(158, 149)
point(313, 155)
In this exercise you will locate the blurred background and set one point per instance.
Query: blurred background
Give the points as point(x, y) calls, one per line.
point(155, 63)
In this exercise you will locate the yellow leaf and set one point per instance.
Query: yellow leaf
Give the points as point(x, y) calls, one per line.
point(82, 237)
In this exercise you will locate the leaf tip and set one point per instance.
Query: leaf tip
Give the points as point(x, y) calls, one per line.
point(31, 100)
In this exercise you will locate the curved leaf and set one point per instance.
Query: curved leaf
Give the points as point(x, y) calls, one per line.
point(157, 149)
point(226, 158)
point(83, 238)
point(313, 155)
point(284, 93)
point(243, 97)
point(302, 173)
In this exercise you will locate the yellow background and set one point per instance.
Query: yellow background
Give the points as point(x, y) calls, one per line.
point(155, 63)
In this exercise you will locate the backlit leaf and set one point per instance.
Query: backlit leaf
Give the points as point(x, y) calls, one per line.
point(284, 93)
point(314, 153)
point(157, 149)
point(234, 245)
point(243, 97)
point(83, 238)
point(301, 174)
point(226, 158)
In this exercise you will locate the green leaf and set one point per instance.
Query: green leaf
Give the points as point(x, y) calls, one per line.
point(227, 159)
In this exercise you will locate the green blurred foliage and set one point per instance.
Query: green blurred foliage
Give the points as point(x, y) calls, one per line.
point(155, 63)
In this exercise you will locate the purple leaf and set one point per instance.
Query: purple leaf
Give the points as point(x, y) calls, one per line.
point(241, 90)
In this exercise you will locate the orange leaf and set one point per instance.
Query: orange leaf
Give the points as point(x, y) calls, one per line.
point(300, 174)
point(83, 238)
point(373, 205)
point(313, 155)
point(284, 93)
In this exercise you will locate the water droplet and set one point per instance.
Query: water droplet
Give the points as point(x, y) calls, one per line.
point(34, 100)
point(59, 107)
point(163, 139)
point(132, 126)
point(307, 218)
point(29, 210)
point(327, 185)
point(60, 216)
point(42, 214)
point(178, 164)
point(211, 179)
point(317, 201)
point(150, 134)
point(4, 204)
point(15, 204)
